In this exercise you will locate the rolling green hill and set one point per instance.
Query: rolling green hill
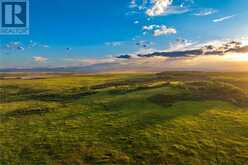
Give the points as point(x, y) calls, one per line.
point(171, 118)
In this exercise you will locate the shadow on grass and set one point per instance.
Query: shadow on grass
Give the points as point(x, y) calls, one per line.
point(13, 93)
point(127, 128)
point(204, 91)
point(25, 112)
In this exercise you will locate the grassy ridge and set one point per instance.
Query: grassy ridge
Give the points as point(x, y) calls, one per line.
point(167, 118)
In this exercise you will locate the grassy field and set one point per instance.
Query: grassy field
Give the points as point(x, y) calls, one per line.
point(172, 118)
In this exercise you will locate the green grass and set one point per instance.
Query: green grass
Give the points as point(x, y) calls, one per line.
point(168, 118)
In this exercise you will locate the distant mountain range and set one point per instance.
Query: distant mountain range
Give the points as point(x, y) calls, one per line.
point(104, 67)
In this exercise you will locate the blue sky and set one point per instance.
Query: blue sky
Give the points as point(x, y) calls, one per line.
point(82, 29)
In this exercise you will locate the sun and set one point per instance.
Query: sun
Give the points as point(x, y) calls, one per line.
point(237, 57)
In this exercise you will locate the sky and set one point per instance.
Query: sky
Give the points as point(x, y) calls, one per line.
point(71, 33)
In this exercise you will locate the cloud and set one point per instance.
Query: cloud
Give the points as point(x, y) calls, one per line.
point(114, 43)
point(136, 22)
point(19, 46)
point(138, 4)
point(164, 30)
point(14, 46)
point(179, 44)
point(206, 12)
point(124, 56)
point(40, 59)
point(188, 49)
point(228, 55)
point(224, 56)
point(32, 44)
point(144, 44)
point(229, 62)
point(159, 30)
point(159, 7)
point(223, 18)
point(176, 10)
point(150, 27)
point(45, 46)
point(133, 4)
point(154, 8)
